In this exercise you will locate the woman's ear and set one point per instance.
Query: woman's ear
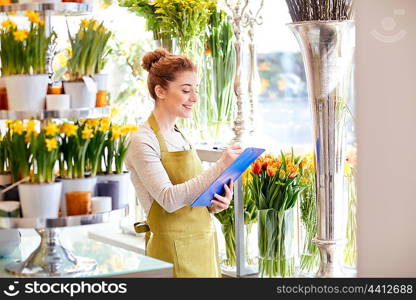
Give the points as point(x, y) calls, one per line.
point(160, 92)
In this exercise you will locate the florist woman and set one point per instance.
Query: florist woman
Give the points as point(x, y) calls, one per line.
point(168, 175)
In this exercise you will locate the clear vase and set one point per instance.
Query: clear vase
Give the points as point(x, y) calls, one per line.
point(228, 257)
point(276, 240)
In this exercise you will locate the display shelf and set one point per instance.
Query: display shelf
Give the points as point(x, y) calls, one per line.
point(69, 221)
point(57, 8)
point(75, 113)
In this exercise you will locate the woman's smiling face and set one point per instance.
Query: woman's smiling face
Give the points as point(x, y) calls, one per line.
point(180, 96)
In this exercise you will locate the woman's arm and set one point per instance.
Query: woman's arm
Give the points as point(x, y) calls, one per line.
point(144, 158)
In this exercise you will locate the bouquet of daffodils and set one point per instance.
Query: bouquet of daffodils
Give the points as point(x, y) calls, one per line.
point(88, 49)
point(74, 141)
point(116, 147)
point(23, 51)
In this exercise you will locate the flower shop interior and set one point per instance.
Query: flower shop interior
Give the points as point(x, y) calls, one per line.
point(310, 82)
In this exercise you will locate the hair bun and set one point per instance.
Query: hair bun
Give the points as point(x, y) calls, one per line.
point(153, 57)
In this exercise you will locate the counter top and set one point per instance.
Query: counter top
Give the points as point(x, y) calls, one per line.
point(112, 261)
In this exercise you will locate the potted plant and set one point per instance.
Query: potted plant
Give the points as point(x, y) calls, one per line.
point(113, 155)
point(23, 60)
point(5, 174)
point(40, 197)
point(74, 141)
point(87, 54)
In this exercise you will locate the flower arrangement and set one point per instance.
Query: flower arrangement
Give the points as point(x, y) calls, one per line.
point(4, 158)
point(88, 49)
point(147, 9)
point(17, 145)
point(276, 183)
point(24, 51)
point(115, 148)
point(185, 19)
point(31, 152)
point(220, 49)
point(350, 250)
point(309, 260)
point(227, 220)
point(74, 141)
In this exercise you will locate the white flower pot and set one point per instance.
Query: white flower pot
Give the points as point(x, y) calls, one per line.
point(102, 81)
point(123, 180)
point(26, 92)
point(80, 95)
point(5, 179)
point(9, 241)
point(40, 200)
point(58, 102)
point(82, 184)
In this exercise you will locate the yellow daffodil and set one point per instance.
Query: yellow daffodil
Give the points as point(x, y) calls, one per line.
point(32, 16)
point(104, 125)
point(20, 35)
point(51, 129)
point(31, 127)
point(114, 111)
point(93, 122)
point(69, 129)
point(85, 23)
point(51, 144)
point(116, 132)
point(8, 24)
point(18, 127)
point(87, 133)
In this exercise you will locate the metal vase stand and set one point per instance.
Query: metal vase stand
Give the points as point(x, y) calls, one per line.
point(51, 258)
point(328, 51)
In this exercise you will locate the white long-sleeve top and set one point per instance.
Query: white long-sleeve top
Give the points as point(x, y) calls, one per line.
point(150, 179)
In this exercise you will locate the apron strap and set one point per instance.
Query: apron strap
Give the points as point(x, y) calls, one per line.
point(155, 127)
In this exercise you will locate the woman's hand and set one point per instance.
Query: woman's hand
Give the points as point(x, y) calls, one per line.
point(231, 153)
point(222, 202)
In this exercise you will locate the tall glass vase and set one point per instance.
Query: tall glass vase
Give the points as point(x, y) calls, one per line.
point(276, 238)
point(328, 52)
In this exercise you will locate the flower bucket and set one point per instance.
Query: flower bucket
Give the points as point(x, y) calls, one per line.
point(40, 200)
point(81, 96)
point(26, 92)
point(9, 241)
point(276, 237)
point(81, 184)
point(123, 187)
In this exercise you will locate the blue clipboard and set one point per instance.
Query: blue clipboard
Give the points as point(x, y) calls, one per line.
point(234, 171)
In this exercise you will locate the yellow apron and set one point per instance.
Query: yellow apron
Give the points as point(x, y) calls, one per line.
point(186, 238)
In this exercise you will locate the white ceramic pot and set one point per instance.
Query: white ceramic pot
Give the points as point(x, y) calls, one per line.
point(58, 102)
point(82, 184)
point(102, 81)
point(123, 187)
point(80, 95)
point(9, 241)
point(5, 179)
point(26, 92)
point(40, 200)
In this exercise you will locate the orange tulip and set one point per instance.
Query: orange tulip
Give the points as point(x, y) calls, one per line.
point(256, 168)
point(271, 171)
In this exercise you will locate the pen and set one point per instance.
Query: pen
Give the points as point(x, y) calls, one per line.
point(219, 148)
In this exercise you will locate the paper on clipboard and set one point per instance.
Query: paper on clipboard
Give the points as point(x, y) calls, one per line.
point(233, 172)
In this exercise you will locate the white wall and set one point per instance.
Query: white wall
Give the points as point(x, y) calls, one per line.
point(386, 109)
